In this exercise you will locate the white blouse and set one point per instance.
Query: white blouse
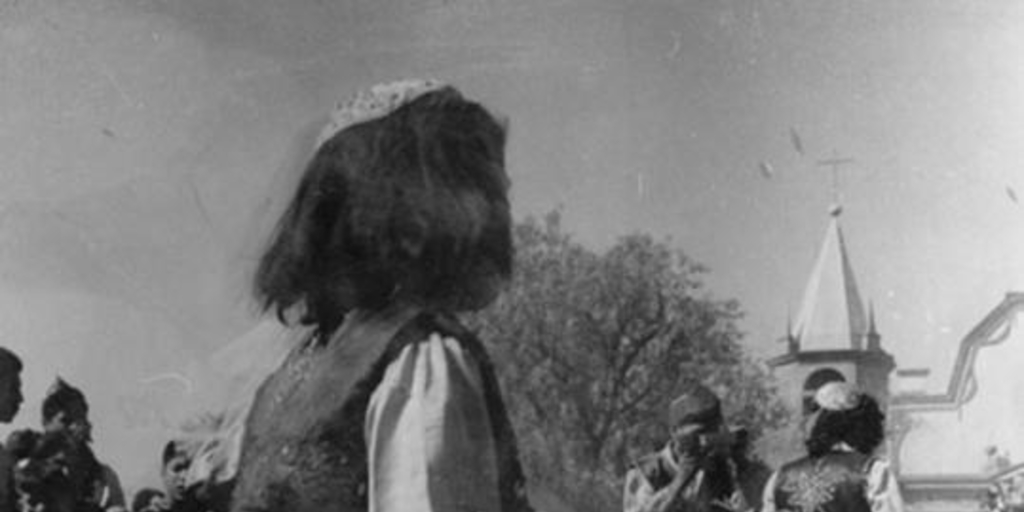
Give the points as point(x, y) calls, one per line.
point(429, 437)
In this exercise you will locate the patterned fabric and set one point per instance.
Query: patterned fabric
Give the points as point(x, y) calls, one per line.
point(836, 482)
point(375, 103)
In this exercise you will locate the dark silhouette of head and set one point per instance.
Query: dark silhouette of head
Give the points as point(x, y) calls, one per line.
point(10, 385)
point(65, 409)
point(843, 414)
point(409, 205)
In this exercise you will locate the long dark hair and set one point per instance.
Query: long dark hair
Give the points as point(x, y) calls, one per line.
point(862, 427)
point(414, 203)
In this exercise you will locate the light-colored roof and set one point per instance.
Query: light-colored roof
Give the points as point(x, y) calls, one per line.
point(832, 314)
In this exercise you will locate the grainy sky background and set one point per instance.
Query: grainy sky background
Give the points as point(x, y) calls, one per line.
point(147, 146)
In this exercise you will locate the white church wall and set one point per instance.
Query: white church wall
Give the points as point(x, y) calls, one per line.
point(978, 428)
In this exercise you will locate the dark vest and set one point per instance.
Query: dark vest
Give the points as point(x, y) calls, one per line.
point(834, 482)
point(304, 448)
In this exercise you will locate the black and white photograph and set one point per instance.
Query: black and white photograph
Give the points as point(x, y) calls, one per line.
point(511, 256)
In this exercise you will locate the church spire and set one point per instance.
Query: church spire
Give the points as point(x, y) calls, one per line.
point(871, 318)
point(832, 313)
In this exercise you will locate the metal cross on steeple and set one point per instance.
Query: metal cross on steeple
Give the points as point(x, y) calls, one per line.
point(835, 163)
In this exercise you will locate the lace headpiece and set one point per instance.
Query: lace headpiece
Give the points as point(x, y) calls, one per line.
point(837, 396)
point(375, 103)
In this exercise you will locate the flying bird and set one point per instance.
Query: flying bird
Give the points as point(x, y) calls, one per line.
point(108, 132)
point(766, 169)
point(797, 143)
point(1011, 194)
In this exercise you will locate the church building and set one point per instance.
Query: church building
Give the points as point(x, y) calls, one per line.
point(833, 339)
point(950, 448)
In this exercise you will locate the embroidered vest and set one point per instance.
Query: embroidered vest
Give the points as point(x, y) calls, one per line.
point(835, 482)
point(304, 448)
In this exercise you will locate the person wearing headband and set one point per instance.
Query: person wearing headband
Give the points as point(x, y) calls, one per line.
point(694, 471)
point(387, 402)
point(841, 472)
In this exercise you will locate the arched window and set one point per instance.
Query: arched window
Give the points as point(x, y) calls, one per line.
point(817, 379)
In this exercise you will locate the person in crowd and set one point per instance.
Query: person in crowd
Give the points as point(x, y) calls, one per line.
point(840, 471)
point(694, 471)
point(65, 409)
point(752, 473)
point(10, 404)
point(149, 499)
point(174, 467)
point(179, 496)
point(387, 402)
point(54, 472)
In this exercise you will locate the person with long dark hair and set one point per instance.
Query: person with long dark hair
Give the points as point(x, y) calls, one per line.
point(387, 403)
point(841, 472)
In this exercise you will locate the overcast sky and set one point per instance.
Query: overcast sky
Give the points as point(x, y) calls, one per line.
point(147, 146)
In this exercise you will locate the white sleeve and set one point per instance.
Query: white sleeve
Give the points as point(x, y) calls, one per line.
point(429, 437)
point(883, 489)
point(768, 498)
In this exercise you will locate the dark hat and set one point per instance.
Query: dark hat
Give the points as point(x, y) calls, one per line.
point(696, 405)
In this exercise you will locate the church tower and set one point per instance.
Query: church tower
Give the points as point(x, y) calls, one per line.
point(832, 339)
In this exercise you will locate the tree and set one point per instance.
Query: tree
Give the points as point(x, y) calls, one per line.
point(593, 346)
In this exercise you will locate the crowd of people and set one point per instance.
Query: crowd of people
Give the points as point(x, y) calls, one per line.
point(702, 467)
point(52, 468)
point(386, 402)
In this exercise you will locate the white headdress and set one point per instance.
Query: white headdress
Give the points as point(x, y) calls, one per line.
point(837, 396)
point(375, 103)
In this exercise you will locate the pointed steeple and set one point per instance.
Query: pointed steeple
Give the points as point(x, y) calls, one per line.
point(792, 345)
point(871, 318)
point(832, 314)
point(874, 339)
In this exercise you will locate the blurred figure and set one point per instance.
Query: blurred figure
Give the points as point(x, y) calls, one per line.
point(178, 456)
point(752, 473)
point(10, 403)
point(694, 471)
point(840, 472)
point(149, 500)
point(66, 410)
point(174, 467)
point(54, 472)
